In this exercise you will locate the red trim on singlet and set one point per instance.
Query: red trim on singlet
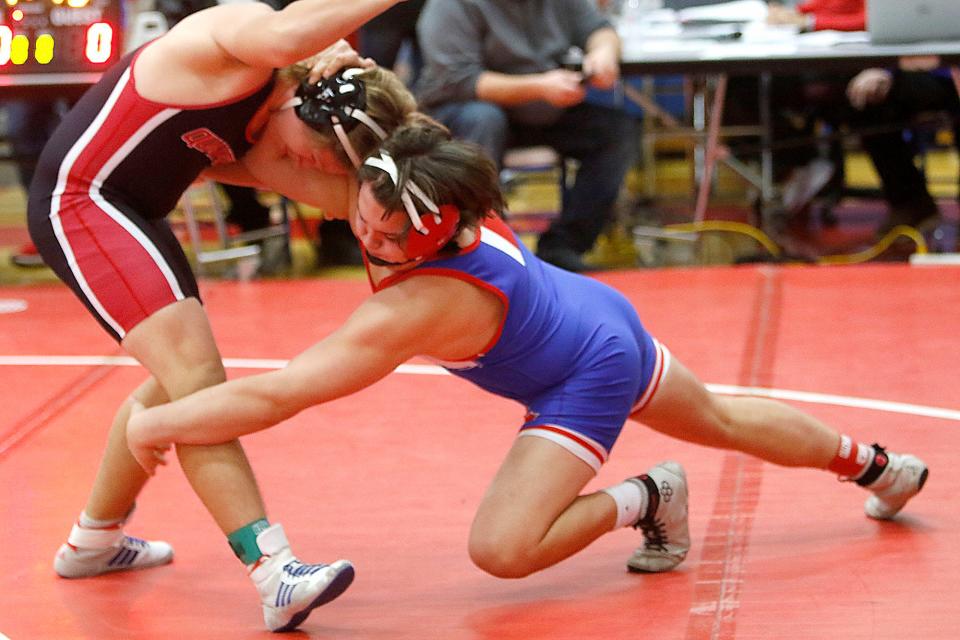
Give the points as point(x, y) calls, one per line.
point(655, 379)
point(569, 434)
point(477, 282)
point(395, 278)
point(105, 252)
point(389, 280)
point(139, 296)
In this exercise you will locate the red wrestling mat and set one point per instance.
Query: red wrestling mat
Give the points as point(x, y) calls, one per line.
point(389, 478)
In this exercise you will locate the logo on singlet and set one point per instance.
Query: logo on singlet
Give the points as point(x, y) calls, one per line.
point(209, 144)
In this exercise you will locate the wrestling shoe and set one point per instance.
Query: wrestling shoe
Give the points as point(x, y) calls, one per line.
point(666, 537)
point(893, 478)
point(290, 589)
point(91, 552)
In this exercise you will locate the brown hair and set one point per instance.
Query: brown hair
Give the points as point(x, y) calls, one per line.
point(448, 171)
point(389, 103)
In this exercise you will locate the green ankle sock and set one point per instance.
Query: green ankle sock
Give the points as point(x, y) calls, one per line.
point(243, 541)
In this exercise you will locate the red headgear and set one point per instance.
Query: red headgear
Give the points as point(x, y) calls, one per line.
point(431, 231)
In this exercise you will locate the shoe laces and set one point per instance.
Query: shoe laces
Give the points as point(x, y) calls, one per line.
point(654, 534)
point(297, 569)
point(138, 543)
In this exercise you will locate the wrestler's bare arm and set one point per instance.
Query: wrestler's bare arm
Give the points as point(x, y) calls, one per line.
point(239, 44)
point(233, 173)
point(328, 192)
point(411, 318)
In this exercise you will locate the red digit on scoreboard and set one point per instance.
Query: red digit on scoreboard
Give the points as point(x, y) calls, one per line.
point(6, 39)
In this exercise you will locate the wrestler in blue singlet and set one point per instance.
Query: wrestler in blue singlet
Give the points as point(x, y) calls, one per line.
point(571, 349)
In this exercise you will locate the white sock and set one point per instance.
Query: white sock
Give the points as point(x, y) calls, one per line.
point(631, 499)
point(92, 523)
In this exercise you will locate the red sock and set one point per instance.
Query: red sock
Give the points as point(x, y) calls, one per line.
point(852, 458)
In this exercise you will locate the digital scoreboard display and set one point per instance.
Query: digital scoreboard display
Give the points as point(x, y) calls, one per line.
point(57, 39)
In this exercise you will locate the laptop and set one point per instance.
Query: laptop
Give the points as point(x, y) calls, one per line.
point(900, 21)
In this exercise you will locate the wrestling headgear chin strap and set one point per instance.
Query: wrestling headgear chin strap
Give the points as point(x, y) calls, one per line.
point(337, 102)
point(435, 229)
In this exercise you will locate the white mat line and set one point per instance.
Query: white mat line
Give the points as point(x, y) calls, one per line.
point(427, 369)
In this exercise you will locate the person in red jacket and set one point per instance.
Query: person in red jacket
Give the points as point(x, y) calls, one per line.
point(822, 15)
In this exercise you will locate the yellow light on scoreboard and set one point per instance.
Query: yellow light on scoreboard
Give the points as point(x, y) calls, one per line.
point(58, 36)
point(19, 49)
point(43, 48)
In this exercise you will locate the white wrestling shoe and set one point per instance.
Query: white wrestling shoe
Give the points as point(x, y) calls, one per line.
point(664, 525)
point(92, 552)
point(290, 589)
point(892, 485)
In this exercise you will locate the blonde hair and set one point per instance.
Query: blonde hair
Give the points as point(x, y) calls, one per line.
point(389, 103)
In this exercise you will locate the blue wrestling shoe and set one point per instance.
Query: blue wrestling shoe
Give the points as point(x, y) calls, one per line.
point(666, 536)
point(290, 589)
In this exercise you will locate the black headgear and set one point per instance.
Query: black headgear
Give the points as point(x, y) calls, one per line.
point(337, 103)
point(333, 97)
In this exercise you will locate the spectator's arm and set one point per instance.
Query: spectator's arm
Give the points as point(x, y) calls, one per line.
point(559, 87)
point(450, 36)
point(601, 60)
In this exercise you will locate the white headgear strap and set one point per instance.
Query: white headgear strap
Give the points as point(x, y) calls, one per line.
point(387, 164)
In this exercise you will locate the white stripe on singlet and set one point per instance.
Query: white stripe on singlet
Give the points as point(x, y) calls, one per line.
point(497, 241)
point(63, 176)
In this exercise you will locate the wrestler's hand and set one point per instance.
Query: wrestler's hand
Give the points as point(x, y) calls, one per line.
point(148, 451)
point(339, 55)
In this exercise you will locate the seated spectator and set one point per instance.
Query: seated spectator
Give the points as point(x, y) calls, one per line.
point(876, 104)
point(30, 121)
point(383, 37)
point(492, 74)
point(900, 96)
point(806, 174)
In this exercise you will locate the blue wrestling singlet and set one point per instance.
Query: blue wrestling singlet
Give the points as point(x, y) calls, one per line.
point(571, 349)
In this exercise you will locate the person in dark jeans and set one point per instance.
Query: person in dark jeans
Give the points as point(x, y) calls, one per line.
point(493, 73)
point(30, 121)
point(881, 95)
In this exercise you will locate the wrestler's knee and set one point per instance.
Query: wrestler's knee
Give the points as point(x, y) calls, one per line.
point(500, 554)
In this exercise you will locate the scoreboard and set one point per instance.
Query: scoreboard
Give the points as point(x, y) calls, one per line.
point(58, 41)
